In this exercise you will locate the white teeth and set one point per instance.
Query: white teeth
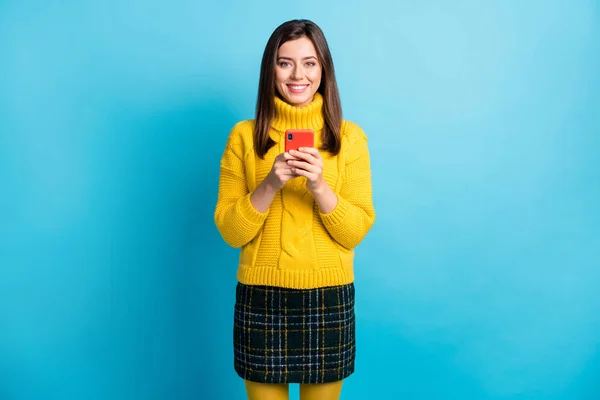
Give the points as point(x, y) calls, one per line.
point(297, 87)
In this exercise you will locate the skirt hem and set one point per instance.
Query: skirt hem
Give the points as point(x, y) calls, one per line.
point(262, 377)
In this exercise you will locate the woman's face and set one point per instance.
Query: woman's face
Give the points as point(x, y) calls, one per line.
point(297, 72)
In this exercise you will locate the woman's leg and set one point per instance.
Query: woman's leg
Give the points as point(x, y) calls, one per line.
point(321, 391)
point(266, 391)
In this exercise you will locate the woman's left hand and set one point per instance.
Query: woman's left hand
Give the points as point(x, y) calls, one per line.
point(310, 165)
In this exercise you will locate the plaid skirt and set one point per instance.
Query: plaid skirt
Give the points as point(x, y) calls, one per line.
point(294, 336)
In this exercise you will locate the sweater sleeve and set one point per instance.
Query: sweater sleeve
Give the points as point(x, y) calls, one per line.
point(354, 214)
point(236, 218)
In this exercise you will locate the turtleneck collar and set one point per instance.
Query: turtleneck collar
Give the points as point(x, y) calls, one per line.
point(287, 116)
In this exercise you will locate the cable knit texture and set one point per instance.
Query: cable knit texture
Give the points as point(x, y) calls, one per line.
point(293, 244)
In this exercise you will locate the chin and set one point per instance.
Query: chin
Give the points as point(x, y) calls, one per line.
point(294, 99)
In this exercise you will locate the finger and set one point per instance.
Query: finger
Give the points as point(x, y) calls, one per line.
point(305, 166)
point(305, 156)
point(284, 165)
point(312, 151)
point(286, 171)
point(287, 156)
point(309, 175)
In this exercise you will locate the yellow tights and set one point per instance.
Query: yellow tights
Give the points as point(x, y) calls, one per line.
point(280, 391)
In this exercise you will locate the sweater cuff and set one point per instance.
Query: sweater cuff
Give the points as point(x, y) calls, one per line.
point(250, 214)
point(337, 215)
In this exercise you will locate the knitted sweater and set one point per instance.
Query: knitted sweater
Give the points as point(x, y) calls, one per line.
point(293, 244)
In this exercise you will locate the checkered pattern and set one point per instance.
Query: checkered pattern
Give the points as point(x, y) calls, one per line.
point(294, 336)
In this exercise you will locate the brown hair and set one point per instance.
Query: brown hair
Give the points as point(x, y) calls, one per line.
point(265, 103)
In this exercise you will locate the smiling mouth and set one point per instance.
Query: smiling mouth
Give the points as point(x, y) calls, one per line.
point(297, 88)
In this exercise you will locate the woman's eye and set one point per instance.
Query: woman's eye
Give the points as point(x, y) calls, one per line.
point(284, 64)
point(310, 64)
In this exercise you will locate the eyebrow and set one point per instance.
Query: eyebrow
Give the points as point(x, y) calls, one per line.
point(291, 59)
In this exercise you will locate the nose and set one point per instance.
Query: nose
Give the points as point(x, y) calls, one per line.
point(298, 72)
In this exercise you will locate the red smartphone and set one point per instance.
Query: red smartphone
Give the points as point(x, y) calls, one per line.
point(296, 138)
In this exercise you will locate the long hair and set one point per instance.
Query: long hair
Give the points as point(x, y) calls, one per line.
point(265, 104)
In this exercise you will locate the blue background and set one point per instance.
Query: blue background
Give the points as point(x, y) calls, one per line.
point(479, 280)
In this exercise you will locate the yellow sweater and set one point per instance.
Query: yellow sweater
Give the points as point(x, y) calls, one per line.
point(293, 244)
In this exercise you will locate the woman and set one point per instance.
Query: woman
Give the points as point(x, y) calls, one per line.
point(297, 217)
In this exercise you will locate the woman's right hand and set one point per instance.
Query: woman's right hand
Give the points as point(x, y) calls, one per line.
point(281, 172)
point(265, 192)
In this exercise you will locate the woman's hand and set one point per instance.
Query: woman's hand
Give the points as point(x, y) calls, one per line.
point(281, 172)
point(307, 162)
point(265, 192)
